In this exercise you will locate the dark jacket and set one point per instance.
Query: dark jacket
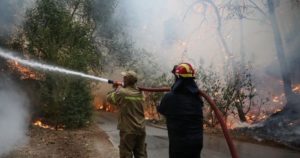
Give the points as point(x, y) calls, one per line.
point(182, 108)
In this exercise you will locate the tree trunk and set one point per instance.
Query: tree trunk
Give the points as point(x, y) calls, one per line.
point(242, 46)
point(219, 29)
point(241, 113)
point(286, 76)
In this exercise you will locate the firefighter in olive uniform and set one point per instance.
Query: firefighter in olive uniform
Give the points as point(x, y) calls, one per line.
point(182, 108)
point(131, 120)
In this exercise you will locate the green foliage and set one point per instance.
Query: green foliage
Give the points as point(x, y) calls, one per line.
point(98, 11)
point(77, 106)
point(60, 32)
point(65, 103)
point(54, 36)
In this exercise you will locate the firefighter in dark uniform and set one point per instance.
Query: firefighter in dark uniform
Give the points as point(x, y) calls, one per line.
point(131, 119)
point(182, 108)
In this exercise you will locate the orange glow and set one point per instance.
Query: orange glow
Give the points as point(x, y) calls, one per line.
point(276, 99)
point(296, 88)
point(279, 99)
point(40, 124)
point(25, 72)
point(252, 118)
point(101, 104)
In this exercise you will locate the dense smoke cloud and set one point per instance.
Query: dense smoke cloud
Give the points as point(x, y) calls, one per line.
point(184, 31)
point(13, 116)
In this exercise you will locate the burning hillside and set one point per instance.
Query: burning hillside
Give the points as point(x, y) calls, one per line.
point(282, 127)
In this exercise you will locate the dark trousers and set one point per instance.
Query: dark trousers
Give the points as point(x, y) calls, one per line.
point(181, 147)
point(132, 145)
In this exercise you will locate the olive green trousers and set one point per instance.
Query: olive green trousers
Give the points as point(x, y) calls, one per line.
point(132, 145)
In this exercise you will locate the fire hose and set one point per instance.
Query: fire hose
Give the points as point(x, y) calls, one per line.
point(217, 112)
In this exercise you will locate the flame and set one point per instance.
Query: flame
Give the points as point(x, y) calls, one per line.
point(150, 115)
point(276, 99)
point(230, 124)
point(40, 124)
point(296, 88)
point(279, 99)
point(25, 72)
point(253, 118)
point(101, 104)
point(259, 113)
point(107, 108)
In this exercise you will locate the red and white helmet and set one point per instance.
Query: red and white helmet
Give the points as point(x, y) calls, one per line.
point(184, 70)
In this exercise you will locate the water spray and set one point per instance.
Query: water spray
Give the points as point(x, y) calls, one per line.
point(33, 64)
point(9, 55)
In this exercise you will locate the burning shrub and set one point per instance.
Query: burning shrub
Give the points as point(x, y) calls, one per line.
point(233, 94)
point(153, 99)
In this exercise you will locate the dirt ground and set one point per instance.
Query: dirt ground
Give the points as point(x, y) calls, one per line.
point(88, 142)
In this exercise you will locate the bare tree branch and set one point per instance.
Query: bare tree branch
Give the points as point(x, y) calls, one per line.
point(189, 8)
point(258, 8)
point(219, 26)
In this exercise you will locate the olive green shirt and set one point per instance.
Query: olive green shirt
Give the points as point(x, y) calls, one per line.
point(130, 101)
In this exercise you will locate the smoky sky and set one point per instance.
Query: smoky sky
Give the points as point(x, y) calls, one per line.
point(11, 15)
point(176, 32)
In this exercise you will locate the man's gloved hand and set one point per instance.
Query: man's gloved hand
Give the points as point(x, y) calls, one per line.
point(117, 84)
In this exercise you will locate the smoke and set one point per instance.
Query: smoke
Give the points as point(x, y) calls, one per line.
point(183, 31)
point(13, 116)
point(290, 25)
point(11, 15)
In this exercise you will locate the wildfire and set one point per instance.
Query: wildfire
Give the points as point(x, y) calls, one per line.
point(107, 108)
point(101, 104)
point(279, 99)
point(230, 124)
point(252, 118)
point(150, 115)
point(276, 99)
point(296, 88)
point(40, 124)
point(25, 72)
